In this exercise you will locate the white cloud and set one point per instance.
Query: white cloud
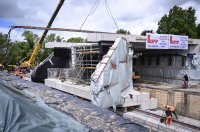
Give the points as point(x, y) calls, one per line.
point(133, 15)
point(16, 35)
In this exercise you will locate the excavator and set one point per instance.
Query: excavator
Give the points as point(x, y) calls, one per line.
point(24, 66)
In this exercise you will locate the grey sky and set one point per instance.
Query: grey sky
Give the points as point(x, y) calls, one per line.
point(133, 15)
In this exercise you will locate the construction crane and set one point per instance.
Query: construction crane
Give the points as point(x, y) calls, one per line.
point(38, 45)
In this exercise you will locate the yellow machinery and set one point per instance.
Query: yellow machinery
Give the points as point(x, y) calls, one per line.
point(38, 45)
point(135, 75)
point(20, 70)
point(1, 67)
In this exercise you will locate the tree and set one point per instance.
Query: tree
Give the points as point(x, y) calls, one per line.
point(76, 40)
point(198, 31)
point(4, 47)
point(146, 31)
point(179, 21)
point(122, 31)
point(17, 52)
point(44, 52)
point(30, 39)
point(11, 52)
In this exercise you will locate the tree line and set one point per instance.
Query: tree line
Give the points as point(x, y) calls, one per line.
point(15, 51)
point(179, 21)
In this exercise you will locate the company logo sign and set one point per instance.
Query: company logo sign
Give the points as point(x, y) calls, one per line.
point(164, 41)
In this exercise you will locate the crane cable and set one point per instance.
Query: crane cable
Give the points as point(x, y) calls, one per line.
point(110, 13)
point(93, 9)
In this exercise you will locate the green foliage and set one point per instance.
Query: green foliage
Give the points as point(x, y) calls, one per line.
point(179, 21)
point(122, 31)
point(2, 46)
point(198, 31)
point(17, 52)
point(44, 52)
point(76, 40)
point(146, 31)
point(30, 40)
point(12, 52)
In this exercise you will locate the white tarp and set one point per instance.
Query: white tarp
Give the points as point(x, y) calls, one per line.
point(196, 62)
point(109, 86)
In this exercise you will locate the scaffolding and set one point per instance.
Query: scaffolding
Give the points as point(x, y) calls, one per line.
point(84, 61)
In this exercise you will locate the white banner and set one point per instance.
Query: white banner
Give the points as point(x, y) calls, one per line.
point(164, 41)
point(157, 41)
point(178, 42)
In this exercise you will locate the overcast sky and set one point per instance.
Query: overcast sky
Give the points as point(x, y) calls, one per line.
point(132, 15)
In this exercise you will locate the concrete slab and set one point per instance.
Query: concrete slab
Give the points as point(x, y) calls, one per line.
point(66, 45)
point(81, 91)
point(184, 119)
point(153, 103)
point(84, 92)
point(135, 100)
point(145, 96)
point(129, 115)
point(145, 105)
point(154, 123)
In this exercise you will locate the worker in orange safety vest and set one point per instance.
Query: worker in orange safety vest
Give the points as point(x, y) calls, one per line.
point(168, 119)
point(171, 109)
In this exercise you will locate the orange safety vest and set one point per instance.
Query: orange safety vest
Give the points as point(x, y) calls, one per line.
point(171, 108)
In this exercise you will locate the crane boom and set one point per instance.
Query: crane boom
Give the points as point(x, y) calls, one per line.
point(39, 43)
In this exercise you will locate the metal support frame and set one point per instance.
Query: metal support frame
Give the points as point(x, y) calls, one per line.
point(84, 63)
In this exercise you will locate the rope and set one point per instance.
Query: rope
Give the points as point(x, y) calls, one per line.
point(110, 13)
point(93, 9)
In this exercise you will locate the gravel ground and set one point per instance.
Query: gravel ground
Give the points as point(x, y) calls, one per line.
point(81, 110)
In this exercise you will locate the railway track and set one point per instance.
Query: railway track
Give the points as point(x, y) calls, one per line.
point(174, 121)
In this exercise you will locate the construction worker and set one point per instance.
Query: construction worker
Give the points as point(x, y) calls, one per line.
point(171, 109)
point(186, 81)
point(168, 119)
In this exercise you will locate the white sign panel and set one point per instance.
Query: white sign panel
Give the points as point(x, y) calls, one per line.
point(157, 41)
point(164, 41)
point(178, 42)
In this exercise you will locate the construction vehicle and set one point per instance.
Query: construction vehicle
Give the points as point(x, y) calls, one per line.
point(135, 75)
point(1, 67)
point(38, 45)
point(21, 71)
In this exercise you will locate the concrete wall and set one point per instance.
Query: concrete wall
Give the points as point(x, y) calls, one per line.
point(165, 72)
point(189, 107)
point(194, 107)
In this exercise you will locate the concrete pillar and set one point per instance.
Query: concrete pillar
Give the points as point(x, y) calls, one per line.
point(170, 97)
point(186, 102)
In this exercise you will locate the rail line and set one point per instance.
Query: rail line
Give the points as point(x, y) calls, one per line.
point(175, 121)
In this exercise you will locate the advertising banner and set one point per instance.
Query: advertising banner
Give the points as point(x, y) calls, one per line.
point(157, 41)
point(178, 42)
point(164, 41)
